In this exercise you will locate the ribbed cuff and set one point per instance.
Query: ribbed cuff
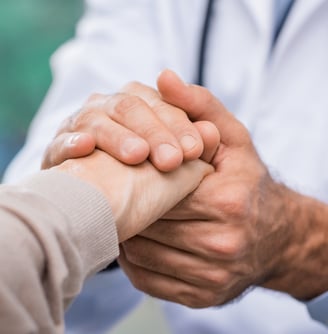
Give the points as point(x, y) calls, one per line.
point(92, 223)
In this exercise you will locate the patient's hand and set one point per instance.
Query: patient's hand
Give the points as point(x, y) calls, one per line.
point(138, 195)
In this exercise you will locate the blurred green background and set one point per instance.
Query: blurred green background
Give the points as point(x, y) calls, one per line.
point(30, 31)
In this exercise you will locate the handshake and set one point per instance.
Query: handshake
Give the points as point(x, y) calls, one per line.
point(141, 152)
point(198, 216)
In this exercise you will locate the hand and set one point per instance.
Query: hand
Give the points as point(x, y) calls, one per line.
point(228, 234)
point(133, 125)
point(138, 195)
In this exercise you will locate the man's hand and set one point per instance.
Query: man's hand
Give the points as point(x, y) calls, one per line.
point(138, 195)
point(227, 235)
point(132, 126)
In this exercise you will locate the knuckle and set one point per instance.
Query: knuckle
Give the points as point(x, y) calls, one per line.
point(132, 86)
point(127, 104)
point(217, 278)
point(230, 245)
point(168, 112)
point(131, 251)
point(138, 281)
point(95, 97)
point(209, 298)
point(132, 258)
point(233, 248)
point(76, 121)
point(87, 121)
point(235, 203)
point(205, 244)
point(97, 125)
point(198, 299)
point(185, 127)
point(145, 281)
point(155, 131)
point(146, 92)
point(206, 96)
point(138, 257)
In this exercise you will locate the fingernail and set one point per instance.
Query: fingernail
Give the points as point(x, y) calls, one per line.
point(181, 80)
point(130, 145)
point(167, 151)
point(72, 140)
point(175, 75)
point(188, 142)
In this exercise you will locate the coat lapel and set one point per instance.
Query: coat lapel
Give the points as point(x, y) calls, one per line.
point(302, 12)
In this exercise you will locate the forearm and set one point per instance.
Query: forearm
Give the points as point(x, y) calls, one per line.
point(301, 268)
point(53, 238)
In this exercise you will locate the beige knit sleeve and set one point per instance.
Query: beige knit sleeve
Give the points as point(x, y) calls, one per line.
point(54, 231)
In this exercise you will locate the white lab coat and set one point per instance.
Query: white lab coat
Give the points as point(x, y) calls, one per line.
point(281, 97)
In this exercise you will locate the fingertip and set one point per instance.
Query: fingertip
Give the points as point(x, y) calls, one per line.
point(80, 144)
point(80, 138)
point(211, 139)
point(209, 131)
point(166, 157)
point(134, 150)
point(170, 74)
point(67, 146)
point(163, 74)
point(192, 147)
point(168, 78)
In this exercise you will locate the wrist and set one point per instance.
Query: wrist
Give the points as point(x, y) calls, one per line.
point(277, 237)
point(301, 265)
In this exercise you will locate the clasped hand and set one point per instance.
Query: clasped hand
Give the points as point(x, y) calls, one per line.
point(216, 241)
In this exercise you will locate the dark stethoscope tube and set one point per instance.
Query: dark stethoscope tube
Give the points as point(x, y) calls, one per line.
point(203, 44)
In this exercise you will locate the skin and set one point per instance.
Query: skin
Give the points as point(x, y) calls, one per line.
point(239, 228)
point(136, 128)
point(132, 126)
point(138, 195)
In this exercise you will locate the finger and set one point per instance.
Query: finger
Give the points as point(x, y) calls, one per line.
point(211, 139)
point(135, 114)
point(111, 137)
point(156, 193)
point(172, 262)
point(67, 146)
point(199, 205)
point(188, 236)
point(209, 240)
point(200, 104)
point(164, 287)
point(174, 118)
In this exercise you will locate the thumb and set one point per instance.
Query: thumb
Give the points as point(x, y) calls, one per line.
point(201, 105)
point(68, 146)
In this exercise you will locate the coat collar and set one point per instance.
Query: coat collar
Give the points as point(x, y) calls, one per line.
point(300, 14)
point(261, 14)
